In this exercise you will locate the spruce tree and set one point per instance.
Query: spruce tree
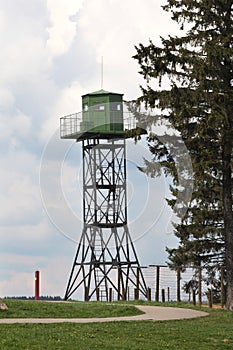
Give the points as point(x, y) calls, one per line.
point(199, 104)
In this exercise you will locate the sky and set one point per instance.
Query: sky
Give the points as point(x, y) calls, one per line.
point(50, 56)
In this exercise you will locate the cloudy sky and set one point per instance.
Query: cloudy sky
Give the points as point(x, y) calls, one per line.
point(50, 56)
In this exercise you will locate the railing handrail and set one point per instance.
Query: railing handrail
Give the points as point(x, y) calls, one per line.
point(70, 124)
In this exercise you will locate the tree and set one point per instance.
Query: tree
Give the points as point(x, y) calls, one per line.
point(199, 103)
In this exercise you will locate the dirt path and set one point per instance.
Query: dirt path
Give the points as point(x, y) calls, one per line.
point(152, 313)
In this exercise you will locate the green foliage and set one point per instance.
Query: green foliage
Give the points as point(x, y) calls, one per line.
point(201, 91)
point(199, 104)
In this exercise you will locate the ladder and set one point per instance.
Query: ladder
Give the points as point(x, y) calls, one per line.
point(100, 279)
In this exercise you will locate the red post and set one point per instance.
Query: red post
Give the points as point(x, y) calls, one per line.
point(37, 285)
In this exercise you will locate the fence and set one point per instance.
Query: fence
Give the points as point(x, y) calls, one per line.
point(183, 284)
point(187, 284)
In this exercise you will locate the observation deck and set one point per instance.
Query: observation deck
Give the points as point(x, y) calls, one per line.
point(73, 127)
point(103, 116)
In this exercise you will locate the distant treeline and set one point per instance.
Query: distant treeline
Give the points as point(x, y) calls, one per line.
point(43, 297)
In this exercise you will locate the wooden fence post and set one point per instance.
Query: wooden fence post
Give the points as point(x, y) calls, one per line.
point(149, 294)
point(194, 297)
point(222, 288)
point(97, 294)
point(163, 295)
point(86, 296)
point(119, 284)
point(124, 295)
point(110, 295)
point(178, 277)
point(200, 285)
point(157, 284)
point(210, 297)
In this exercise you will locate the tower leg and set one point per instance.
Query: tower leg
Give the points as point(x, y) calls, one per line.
point(105, 258)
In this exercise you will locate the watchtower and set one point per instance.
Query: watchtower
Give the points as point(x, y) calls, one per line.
point(105, 260)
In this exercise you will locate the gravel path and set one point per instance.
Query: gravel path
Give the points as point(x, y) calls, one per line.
point(152, 313)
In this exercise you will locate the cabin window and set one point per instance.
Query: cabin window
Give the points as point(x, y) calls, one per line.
point(85, 107)
point(99, 106)
point(115, 106)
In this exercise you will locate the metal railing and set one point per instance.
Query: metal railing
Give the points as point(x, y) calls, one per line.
point(70, 125)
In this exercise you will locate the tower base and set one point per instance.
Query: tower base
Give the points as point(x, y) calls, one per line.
point(106, 266)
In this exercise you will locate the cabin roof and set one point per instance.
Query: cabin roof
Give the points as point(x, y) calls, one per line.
point(102, 92)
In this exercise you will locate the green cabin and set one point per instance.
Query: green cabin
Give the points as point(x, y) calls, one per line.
point(102, 113)
point(101, 117)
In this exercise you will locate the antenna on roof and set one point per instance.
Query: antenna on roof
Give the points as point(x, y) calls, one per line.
point(102, 71)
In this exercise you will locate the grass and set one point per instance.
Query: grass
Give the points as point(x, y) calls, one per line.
point(206, 333)
point(45, 309)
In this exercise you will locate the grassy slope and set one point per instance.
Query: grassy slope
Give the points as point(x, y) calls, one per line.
point(35, 309)
point(212, 332)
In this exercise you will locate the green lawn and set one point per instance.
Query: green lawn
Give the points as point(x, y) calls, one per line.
point(212, 332)
point(40, 309)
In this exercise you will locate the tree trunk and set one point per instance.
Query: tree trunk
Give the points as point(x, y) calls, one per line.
point(228, 217)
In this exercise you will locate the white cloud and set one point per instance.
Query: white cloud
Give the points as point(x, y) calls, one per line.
point(50, 55)
point(6, 98)
point(63, 28)
point(68, 102)
point(13, 126)
point(22, 282)
point(21, 203)
point(24, 28)
point(113, 28)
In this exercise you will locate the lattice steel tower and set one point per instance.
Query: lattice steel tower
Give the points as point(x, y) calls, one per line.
point(106, 260)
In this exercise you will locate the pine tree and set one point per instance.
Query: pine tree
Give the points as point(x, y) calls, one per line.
point(199, 104)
